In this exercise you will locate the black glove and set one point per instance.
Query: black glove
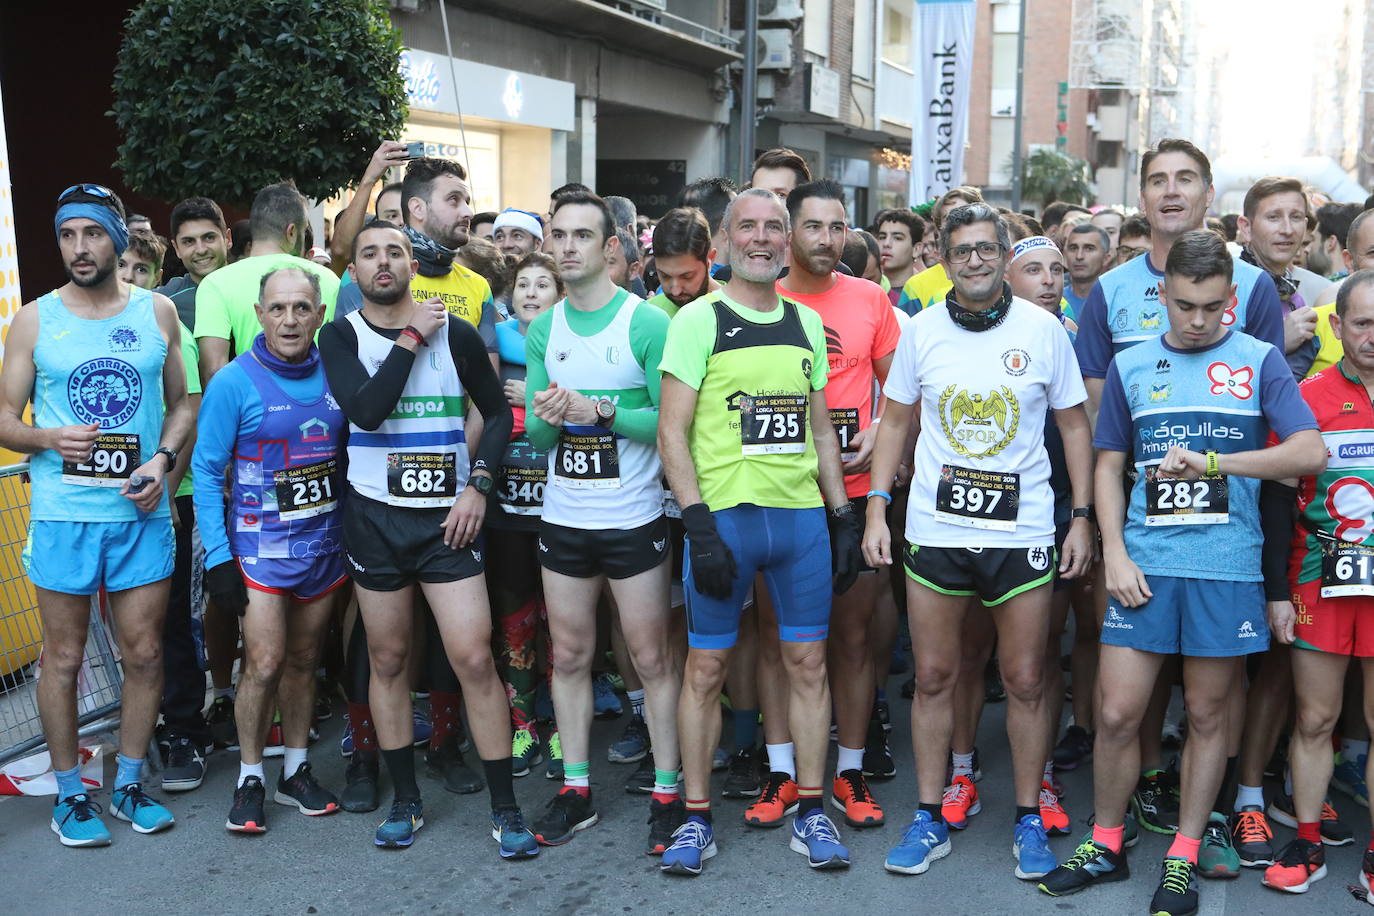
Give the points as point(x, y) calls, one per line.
point(846, 555)
point(713, 565)
point(225, 585)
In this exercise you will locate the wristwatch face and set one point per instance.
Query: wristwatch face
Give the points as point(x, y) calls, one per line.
point(605, 408)
point(482, 483)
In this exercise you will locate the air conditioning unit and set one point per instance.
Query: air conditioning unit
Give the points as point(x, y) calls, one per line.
point(779, 10)
point(775, 49)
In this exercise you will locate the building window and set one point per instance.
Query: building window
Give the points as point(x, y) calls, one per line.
point(897, 32)
point(861, 55)
point(816, 28)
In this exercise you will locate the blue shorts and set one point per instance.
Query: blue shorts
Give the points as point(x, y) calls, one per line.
point(1203, 618)
point(300, 579)
point(791, 547)
point(77, 558)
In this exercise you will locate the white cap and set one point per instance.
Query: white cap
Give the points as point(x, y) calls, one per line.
point(519, 219)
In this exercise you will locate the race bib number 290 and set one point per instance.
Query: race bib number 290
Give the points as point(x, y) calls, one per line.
point(113, 458)
point(421, 478)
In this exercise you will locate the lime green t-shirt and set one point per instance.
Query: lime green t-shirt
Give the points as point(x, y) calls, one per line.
point(225, 299)
point(754, 373)
point(190, 356)
point(670, 308)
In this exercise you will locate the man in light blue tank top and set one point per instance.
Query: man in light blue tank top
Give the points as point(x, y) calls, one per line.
point(101, 361)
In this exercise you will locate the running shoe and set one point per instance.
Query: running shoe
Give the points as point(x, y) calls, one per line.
point(664, 820)
point(421, 726)
point(184, 768)
point(220, 720)
point(246, 814)
point(605, 704)
point(778, 800)
point(1030, 847)
point(851, 795)
point(513, 838)
point(568, 812)
point(1052, 813)
point(276, 744)
point(446, 763)
point(1074, 749)
point(555, 748)
point(1348, 776)
point(1367, 876)
point(720, 759)
point(818, 840)
point(324, 710)
point(304, 793)
point(883, 713)
point(1177, 892)
point(1334, 830)
point(1090, 864)
point(742, 776)
point(1300, 863)
point(641, 781)
point(1154, 803)
point(878, 762)
point(1252, 838)
point(398, 830)
point(526, 753)
point(960, 802)
point(360, 792)
point(1217, 858)
point(1171, 735)
point(693, 843)
point(130, 803)
point(346, 739)
point(633, 743)
point(924, 841)
point(76, 821)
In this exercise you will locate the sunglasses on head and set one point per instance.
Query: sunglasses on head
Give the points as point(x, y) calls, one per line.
point(94, 190)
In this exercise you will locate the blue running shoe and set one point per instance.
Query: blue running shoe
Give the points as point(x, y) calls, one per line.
point(924, 841)
point(514, 837)
point(346, 742)
point(693, 844)
point(398, 830)
point(76, 821)
point(1031, 848)
point(633, 743)
point(130, 803)
point(1348, 776)
point(818, 840)
point(605, 704)
point(423, 728)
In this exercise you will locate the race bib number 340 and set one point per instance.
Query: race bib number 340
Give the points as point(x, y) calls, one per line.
point(113, 458)
point(772, 424)
point(421, 478)
point(977, 499)
point(305, 491)
point(1205, 501)
point(1347, 569)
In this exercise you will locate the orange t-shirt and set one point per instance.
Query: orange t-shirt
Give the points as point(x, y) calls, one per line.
point(859, 328)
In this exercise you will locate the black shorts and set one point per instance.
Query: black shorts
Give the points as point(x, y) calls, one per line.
point(617, 553)
point(389, 547)
point(994, 574)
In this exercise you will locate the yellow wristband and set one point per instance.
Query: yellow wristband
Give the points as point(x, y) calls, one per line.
point(1213, 466)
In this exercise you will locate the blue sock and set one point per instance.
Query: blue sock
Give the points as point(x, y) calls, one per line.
point(130, 770)
point(69, 782)
point(746, 727)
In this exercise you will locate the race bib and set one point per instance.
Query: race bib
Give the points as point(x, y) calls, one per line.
point(113, 458)
point(977, 499)
point(524, 471)
point(1347, 569)
point(772, 424)
point(1205, 501)
point(587, 461)
point(846, 423)
point(306, 491)
point(670, 506)
point(421, 479)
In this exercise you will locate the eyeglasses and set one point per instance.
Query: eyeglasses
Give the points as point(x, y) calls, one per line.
point(1126, 252)
point(94, 190)
point(987, 251)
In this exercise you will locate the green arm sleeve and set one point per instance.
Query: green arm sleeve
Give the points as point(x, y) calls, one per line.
point(648, 331)
point(541, 434)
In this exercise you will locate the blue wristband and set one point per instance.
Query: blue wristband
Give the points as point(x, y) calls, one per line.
point(883, 493)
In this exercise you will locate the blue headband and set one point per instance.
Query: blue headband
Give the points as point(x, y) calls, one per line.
point(108, 219)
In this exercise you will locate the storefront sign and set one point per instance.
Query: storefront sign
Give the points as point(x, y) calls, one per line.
point(943, 51)
point(493, 93)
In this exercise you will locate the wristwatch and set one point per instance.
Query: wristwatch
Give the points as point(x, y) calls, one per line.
point(481, 483)
point(171, 457)
point(605, 412)
point(1088, 512)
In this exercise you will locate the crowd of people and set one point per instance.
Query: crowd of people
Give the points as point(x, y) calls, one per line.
point(458, 455)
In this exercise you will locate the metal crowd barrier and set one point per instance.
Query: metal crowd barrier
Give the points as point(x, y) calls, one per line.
point(101, 681)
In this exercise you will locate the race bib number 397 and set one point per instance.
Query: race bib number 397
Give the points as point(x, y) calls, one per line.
point(1205, 501)
point(772, 424)
point(305, 491)
point(977, 499)
point(113, 458)
point(421, 478)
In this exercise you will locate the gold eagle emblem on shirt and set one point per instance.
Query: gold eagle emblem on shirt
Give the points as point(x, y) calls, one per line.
point(979, 425)
point(979, 409)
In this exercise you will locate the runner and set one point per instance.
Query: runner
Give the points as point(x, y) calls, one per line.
point(517, 233)
point(1329, 586)
point(930, 286)
point(981, 518)
point(779, 170)
point(591, 396)
point(93, 357)
point(271, 427)
point(1358, 255)
point(683, 255)
point(1109, 219)
point(414, 511)
point(746, 338)
point(200, 240)
point(899, 234)
point(1191, 410)
point(1134, 239)
point(711, 196)
point(1087, 254)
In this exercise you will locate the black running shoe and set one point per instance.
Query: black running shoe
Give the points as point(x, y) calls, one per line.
point(878, 762)
point(185, 766)
point(1177, 893)
point(663, 820)
point(447, 763)
point(220, 720)
point(569, 812)
point(246, 814)
point(360, 782)
point(303, 792)
point(641, 781)
point(1156, 806)
point(1074, 749)
point(742, 775)
point(1090, 864)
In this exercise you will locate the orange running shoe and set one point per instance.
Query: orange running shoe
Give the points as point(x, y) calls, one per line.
point(960, 802)
point(850, 794)
point(1052, 813)
point(778, 800)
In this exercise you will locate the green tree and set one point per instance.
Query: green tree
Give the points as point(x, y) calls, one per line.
point(1049, 175)
point(221, 97)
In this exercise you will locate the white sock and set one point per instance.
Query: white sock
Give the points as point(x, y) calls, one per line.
point(851, 758)
point(1049, 771)
point(781, 759)
point(292, 760)
point(221, 692)
point(251, 769)
point(1247, 796)
point(636, 698)
point(1352, 751)
point(963, 765)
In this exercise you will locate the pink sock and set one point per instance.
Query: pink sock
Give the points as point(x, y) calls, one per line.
point(1184, 848)
point(1110, 837)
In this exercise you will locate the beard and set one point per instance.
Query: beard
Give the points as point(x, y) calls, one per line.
point(384, 295)
point(819, 263)
point(741, 266)
point(102, 273)
point(454, 237)
point(692, 297)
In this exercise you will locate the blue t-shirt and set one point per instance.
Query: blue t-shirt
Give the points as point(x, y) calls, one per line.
point(1123, 309)
point(1074, 301)
point(1226, 396)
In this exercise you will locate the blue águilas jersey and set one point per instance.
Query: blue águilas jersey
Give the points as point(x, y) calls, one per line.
point(1124, 309)
point(1226, 396)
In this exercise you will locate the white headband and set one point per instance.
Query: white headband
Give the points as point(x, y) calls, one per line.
point(1034, 243)
point(519, 219)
